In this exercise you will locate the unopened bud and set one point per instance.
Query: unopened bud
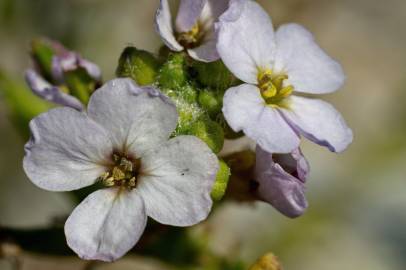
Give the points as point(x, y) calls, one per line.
point(220, 185)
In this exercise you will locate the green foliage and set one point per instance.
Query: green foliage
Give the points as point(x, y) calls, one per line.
point(22, 103)
point(220, 185)
point(139, 65)
point(211, 101)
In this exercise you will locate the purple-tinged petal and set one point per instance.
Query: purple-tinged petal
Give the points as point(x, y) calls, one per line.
point(283, 191)
point(319, 122)
point(293, 163)
point(163, 25)
point(107, 224)
point(245, 39)
point(309, 68)
point(71, 61)
point(188, 13)
point(245, 109)
point(43, 89)
point(206, 52)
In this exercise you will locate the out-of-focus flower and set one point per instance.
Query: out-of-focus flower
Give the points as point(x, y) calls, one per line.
point(61, 76)
point(281, 179)
point(121, 141)
point(273, 67)
point(194, 27)
point(267, 262)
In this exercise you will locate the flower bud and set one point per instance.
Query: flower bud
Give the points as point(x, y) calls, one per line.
point(210, 132)
point(220, 185)
point(211, 101)
point(139, 65)
point(214, 74)
point(42, 52)
point(173, 72)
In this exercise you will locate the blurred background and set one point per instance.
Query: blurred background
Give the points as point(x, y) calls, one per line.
point(356, 218)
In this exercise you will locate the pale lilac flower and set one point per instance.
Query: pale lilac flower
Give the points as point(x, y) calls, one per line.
point(194, 27)
point(281, 179)
point(63, 61)
point(121, 141)
point(274, 66)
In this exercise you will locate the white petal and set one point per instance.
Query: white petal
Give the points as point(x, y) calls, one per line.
point(107, 224)
point(245, 109)
point(245, 39)
point(319, 122)
point(137, 118)
point(176, 181)
point(309, 68)
point(206, 52)
point(66, 150)
point(163, 25)
point(188, 13)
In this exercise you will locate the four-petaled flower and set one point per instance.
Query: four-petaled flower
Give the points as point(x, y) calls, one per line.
point(194, 27)
point(122, 141)
point(273, 66)
point(281, 179)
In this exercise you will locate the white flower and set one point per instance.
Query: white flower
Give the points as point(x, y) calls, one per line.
point(122, 141)
point(194, 27)
point(273, 67)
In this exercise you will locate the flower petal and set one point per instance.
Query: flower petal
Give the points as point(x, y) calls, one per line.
point(66, 150)
point(309, 68)
point(188, 13)
point(43, 89)
point(69, 61)
point(137, 118)
point(319, 122)
point(279, 188)
point(206, 52)
point(245, 39)
point(245, 109)
point(163, 25)
point(107, 224)
point(176, 181)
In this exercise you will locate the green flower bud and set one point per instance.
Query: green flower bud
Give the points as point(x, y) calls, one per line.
point(80, 84)
point(214, 74)
point(211, 101)
point(173, 73)
point(220, 185)
point(42, 51)
point(139, 65)
point(210, 132)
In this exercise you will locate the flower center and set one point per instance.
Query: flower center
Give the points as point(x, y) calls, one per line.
point(123, 173)
point(271, 86)
point(191, 38)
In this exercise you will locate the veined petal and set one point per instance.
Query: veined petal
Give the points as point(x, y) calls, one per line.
point(245, 39)
point(206, 52)
point(245, 109)
point(137, 118)
point(176, 181)
point(188, 13)
point(66, 150)
point(163, 25)
point(107, 224)
point(309, 68)
point(276, 186)
point(319, 122)
point(43, 89)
